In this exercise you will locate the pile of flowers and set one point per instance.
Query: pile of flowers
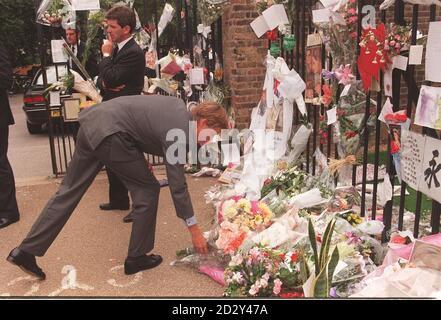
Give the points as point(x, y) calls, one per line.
point(239, 216)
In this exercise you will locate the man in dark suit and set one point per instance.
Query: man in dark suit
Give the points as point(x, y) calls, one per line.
point(77, 46)
point(116, 134)
point(121, 74)
point(8, 203)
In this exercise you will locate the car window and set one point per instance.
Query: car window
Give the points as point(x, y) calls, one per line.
point(52, 74)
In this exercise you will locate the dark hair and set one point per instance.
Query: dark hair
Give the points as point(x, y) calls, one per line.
point(123, 15)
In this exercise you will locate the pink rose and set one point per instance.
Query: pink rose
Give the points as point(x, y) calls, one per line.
point(351, 11)
point(277, 286)
point(392, 43)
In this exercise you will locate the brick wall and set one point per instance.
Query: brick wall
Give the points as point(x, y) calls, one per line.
point(243, 59)
point(244, 55)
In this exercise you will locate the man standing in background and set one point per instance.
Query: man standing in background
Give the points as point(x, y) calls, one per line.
point(8, 203)
point(77, 46)
point(121, 73)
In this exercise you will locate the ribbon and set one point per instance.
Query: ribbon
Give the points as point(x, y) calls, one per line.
point(337, 164)
point(204, 30)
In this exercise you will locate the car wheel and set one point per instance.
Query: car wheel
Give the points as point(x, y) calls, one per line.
point(34, 128)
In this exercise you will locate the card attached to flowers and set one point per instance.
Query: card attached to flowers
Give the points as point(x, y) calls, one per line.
point(230, 176)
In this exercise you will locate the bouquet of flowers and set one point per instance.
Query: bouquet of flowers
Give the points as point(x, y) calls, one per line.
point(350, 216)
point(397, 39)
point(291, 181)
point(239, 216)
point(265, 272)
point(54, 12)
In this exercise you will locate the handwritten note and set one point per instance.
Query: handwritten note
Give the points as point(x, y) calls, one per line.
point(412, 153)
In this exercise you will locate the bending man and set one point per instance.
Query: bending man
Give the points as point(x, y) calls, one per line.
point(116, 134)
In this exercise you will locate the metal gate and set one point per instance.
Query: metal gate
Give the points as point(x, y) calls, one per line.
point(371, 138)
point(186, 20)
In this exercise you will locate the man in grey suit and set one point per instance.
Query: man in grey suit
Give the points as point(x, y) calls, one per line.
point(116, 134)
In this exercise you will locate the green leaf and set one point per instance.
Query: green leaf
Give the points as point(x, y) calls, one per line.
point(313, 241)
point(326, 242)
point(335, 257)
point(321, 285)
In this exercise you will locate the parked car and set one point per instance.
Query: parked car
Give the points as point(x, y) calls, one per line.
point(34, 102)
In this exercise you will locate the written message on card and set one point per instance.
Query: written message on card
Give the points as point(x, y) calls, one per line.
point(412, 157)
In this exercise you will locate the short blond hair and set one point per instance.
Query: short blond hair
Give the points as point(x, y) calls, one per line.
point(213, 112)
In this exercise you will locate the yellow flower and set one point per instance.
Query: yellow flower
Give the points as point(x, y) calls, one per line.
point(258, 219)
point(244, 203)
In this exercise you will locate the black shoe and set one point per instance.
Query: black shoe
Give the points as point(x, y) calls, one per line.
point(108, 207)
point(128, 218)
point(26, 262)
point(134, 265)
point(4, 222)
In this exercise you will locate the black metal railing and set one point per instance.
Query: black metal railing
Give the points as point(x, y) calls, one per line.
point(181, 36)
point(393, 211)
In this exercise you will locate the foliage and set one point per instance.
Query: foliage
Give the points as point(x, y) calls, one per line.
point(324, 264)
point(18, 19)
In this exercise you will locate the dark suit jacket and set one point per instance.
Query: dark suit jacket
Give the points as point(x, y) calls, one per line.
point(126, 68)
point(91, 63)
point(148, 120)
point(6, 117)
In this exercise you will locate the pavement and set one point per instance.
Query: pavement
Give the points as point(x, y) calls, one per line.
point(87, 258)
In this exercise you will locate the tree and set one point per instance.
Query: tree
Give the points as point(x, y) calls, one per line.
point(18, 31)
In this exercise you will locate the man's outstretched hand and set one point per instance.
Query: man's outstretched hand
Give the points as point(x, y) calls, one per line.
point(199, 242)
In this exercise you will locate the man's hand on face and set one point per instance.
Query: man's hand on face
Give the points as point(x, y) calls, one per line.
point(107, 47)
point(199, 242)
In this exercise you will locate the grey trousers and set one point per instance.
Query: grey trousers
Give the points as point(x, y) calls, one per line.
point(120, 154)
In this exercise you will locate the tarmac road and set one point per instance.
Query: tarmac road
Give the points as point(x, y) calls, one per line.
point(28, 154)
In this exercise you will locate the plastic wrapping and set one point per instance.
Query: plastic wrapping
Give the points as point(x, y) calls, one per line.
point(56, 13)
point(86, 87)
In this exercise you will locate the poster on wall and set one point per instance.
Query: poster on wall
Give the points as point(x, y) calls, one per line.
point(313, 63)
point(428, 112)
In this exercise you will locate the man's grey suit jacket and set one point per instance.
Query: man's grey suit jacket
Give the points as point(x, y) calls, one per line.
point(146, 120)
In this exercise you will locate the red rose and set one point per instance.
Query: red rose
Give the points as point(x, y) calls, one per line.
point(294, 257)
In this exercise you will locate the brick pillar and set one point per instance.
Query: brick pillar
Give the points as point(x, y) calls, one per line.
point(244, 55)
